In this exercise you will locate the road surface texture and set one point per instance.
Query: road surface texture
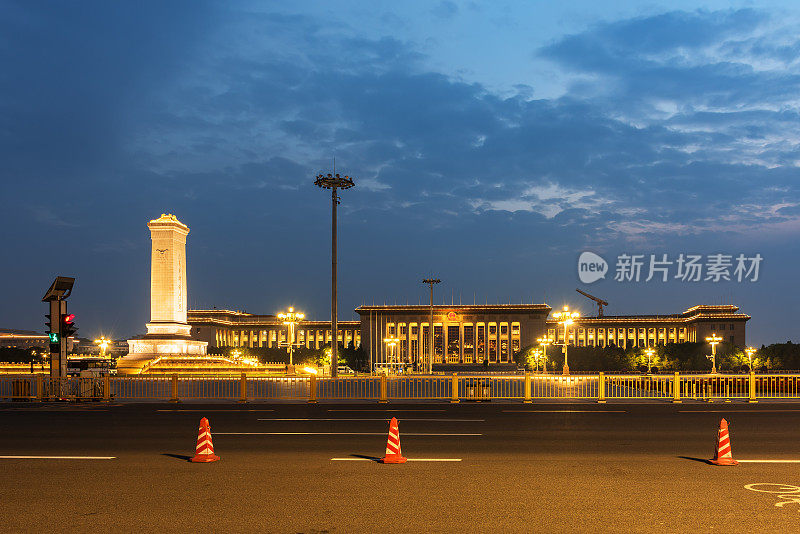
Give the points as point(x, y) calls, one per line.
point(576, 467)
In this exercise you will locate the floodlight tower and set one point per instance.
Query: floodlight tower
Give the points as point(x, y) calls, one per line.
point(334, 182)
point(431, 282)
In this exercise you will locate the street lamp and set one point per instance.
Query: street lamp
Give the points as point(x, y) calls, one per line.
point(750, 351)
point(334, 182)
point(649, 353)
point(713, 340)
point(103, 343)
point(431, 282)
point(391, 342)
point(537, 355)
point(291, 318)
point(566, 318)
point(544, 341)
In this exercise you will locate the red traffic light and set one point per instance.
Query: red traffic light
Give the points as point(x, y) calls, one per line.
point(69, 319)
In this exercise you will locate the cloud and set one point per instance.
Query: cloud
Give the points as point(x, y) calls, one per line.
point(445, 10)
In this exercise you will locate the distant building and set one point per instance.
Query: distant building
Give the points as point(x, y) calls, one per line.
point(472, 334)
point(227, 328)
point(29, 339)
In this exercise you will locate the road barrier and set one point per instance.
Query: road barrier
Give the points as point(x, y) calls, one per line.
point(453, 388)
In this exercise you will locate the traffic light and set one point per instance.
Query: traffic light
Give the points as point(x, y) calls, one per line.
point(54, 326)
point(68, 327)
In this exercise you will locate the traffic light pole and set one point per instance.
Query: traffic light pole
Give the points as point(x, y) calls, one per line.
point(60, 324)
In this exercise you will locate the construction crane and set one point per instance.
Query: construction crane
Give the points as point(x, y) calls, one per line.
point(600, 302)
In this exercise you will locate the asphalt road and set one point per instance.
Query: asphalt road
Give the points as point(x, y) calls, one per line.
point(577, 467)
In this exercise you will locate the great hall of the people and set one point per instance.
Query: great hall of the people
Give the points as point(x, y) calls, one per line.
point(468, 334)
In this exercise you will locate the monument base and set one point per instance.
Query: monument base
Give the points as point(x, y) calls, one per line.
point(143, 351)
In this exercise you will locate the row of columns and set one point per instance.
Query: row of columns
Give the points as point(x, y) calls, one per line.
point(270, 338)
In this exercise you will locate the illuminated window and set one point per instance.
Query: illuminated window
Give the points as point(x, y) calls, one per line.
point(453, 344)
point(469, 342)
point(503, 329)
point(414, 328)
point(438, 343)
point(481, 342)
point(402, 329)
point(492, 329)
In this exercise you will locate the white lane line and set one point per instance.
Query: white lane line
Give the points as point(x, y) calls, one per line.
point(409, 459)
point(386, 410)
point(225, 411)
point(373, 419)
point(736, 411)
point(768, 461)
point(565, 411)
point(332, 434)
point(57, 457)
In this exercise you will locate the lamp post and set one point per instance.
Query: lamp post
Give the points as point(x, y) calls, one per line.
point(290, 319)
point(544, 341)
point(431, 282)
point(750, 351)
point(537, 355)
point(103, 343)
point(391, 342)
point(649, 353)
point(334, 182)
point(566, 318)
point(713, 340)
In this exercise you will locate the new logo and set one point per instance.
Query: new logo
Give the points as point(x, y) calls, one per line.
point(591, 267)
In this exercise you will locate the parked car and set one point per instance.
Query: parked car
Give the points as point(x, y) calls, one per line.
point(345, 370)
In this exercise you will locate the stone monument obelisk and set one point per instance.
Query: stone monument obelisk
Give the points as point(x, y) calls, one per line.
point(168, 332)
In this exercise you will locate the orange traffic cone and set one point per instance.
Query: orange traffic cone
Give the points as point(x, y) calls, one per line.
point(205, 448)
point(723, 454)
point(393, 454)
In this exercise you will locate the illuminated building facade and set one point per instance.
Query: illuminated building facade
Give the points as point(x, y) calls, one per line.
point(472, 334)
point(226, 328)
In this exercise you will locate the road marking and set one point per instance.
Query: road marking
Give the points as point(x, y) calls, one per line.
point(768, 461)
point(226, 411)
point(565, 411)
point(409, 459)
point(386, 410)
point(332, 434)
point(373, 419)
point(57, 457)
point(736, 411)
point(773, 488)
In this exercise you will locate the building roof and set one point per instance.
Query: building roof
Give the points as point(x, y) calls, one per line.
point(476, 308)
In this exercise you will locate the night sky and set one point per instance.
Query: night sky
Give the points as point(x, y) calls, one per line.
point(491, 143)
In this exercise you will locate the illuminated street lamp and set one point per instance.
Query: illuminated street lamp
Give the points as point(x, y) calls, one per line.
point(750, 351)
point(334, 182)
point(537, 355)
point(713, 340)
point(566, 318)
point(544, 341)
point(391, 342)
point(290, 319)
point(103, 343)
point(649, 353)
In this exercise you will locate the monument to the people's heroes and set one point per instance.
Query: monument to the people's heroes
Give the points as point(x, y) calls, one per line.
point(168, 332)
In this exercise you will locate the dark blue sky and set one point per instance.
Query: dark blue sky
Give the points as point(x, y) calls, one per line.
point(491, 144)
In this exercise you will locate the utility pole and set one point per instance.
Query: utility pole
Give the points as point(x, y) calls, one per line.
point(431, 282)
point(334, 182)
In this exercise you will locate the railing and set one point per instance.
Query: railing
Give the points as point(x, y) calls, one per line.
point(454, 388)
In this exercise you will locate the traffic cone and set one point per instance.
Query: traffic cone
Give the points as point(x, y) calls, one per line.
point(393, 454)
point(722, 454)
point(205, 448)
